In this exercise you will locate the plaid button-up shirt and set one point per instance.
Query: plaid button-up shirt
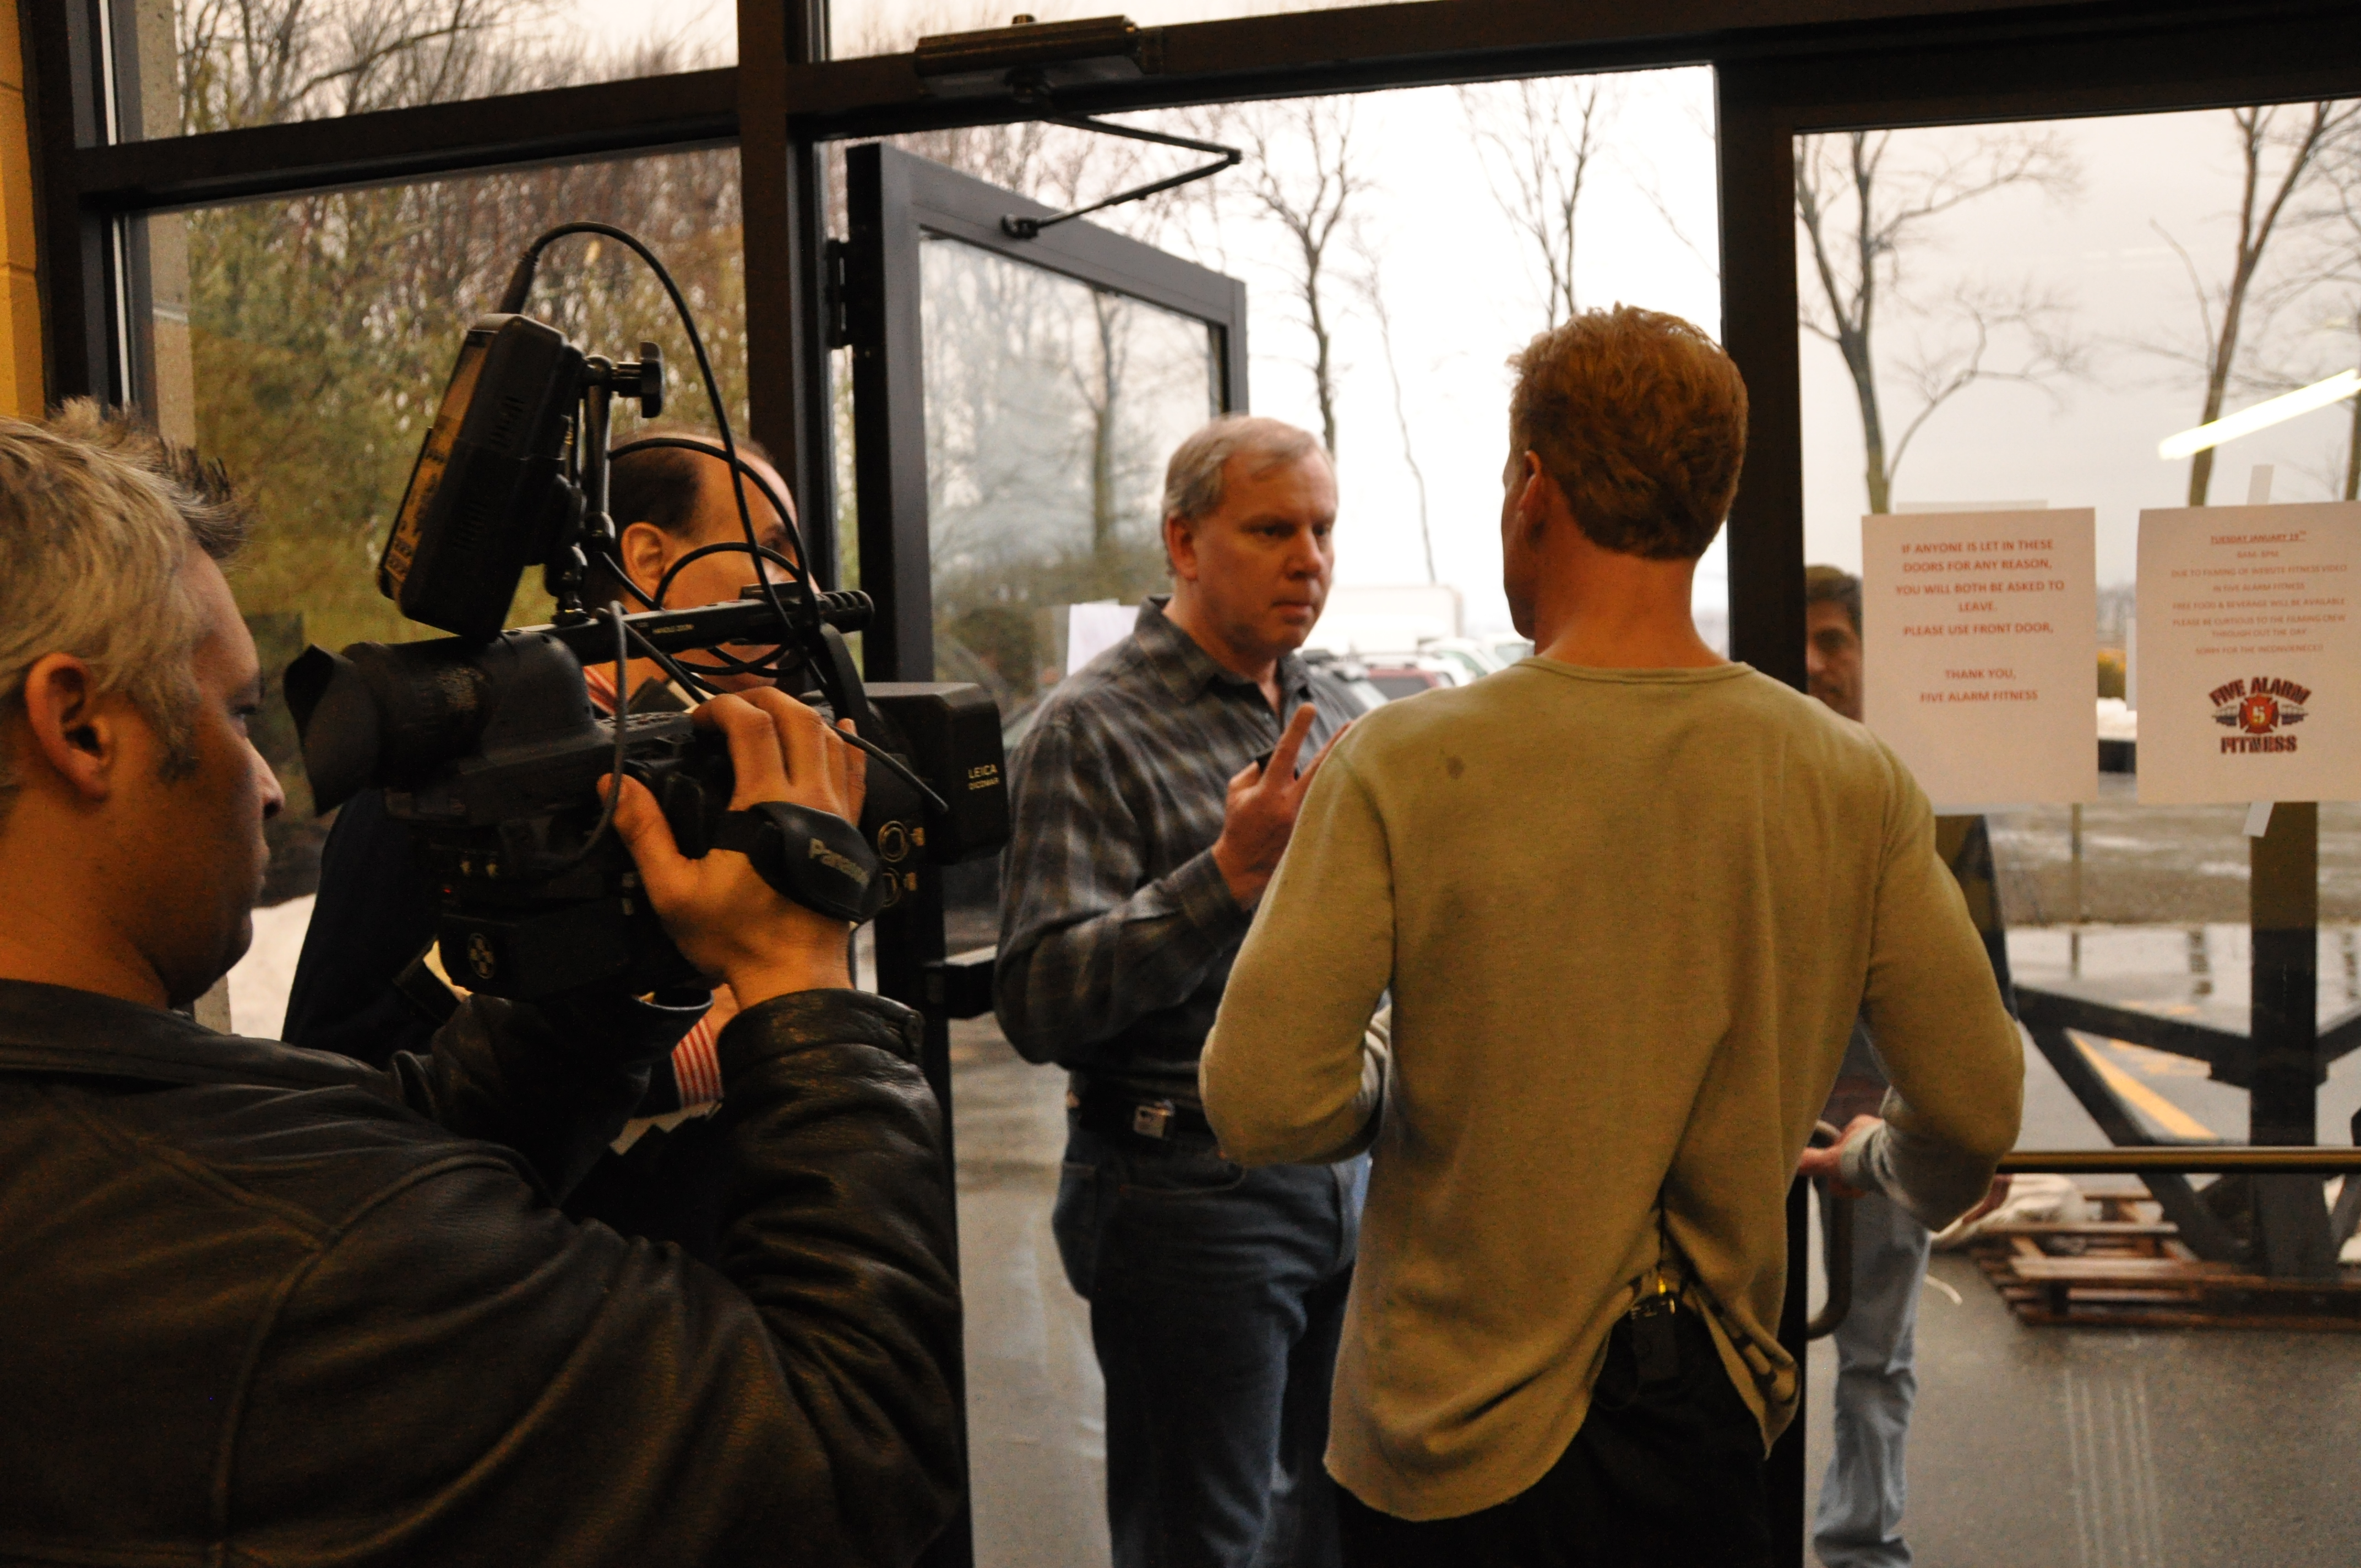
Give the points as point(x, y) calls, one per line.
point(1117, 930)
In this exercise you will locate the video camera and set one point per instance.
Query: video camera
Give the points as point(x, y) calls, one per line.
point(485, 743)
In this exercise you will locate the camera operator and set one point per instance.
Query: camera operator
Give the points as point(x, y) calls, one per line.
point(274, 1303)
point(357, 988)
point(1628, 898)
point(1152, 798)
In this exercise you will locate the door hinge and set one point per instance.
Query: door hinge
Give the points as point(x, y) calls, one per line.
point(836, 308)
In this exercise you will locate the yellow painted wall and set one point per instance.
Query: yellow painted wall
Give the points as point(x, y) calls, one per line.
point(20, 312)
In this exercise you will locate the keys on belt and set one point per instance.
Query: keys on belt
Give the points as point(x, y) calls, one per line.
point(1104, 1110)
point(1655, 1350)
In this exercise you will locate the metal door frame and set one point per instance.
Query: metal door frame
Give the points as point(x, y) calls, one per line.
point(896, 202)
point(894, 199)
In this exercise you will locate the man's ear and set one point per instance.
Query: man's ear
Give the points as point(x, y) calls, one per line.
point(78, 733)
point(644, 551)
point(1535, 491)
point(1180, 548)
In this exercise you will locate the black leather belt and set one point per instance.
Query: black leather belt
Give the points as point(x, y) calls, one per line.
point(1114, 1113)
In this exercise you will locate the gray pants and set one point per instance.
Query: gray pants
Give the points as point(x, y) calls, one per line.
point(1859, 1522)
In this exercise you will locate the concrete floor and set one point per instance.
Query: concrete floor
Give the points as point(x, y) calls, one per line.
point(2095, 1448)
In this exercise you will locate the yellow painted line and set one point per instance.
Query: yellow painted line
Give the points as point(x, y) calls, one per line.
point(2155, 1106)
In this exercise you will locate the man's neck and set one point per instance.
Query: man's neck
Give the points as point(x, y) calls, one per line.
point(1611, 611)
point(1186, 611)
point(64, 940)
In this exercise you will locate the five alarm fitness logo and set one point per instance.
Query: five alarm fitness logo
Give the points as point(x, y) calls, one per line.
point(2258, 710)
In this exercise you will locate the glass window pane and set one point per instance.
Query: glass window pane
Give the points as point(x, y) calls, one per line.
point(183, 66)
point(1438, 262)
point(304, 343)
point(2031, 341)
point(2044, 304)
point(1050, 409)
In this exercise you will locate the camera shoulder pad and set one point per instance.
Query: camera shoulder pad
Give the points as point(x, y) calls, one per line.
point(812, 858)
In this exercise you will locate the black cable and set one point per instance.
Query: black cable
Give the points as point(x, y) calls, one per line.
point(623, 723)
point(521, 283)
point(769, 665)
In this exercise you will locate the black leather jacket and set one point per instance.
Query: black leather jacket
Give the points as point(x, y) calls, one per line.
point(262, 1304)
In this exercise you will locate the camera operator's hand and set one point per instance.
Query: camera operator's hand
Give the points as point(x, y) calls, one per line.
point(1259, 815)
point(725, 918)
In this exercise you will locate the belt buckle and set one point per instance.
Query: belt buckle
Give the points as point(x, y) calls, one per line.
point(1150, 1121)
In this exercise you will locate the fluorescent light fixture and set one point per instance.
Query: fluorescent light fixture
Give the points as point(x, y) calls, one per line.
point(2262, 416)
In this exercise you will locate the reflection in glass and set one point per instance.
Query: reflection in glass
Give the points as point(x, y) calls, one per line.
point(1052, 407)
point(184, 66)
point(2000, 317)
point(2045, 302)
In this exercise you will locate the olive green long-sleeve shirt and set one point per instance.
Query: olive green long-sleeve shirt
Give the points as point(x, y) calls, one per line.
point(1626, 917)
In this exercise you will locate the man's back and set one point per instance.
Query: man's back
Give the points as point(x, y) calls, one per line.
point(1627, 916)
point(263, 1304)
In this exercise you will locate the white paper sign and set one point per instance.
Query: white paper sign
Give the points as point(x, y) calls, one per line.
point(1092, 629)
point(1979, 651)
point(2250, 658)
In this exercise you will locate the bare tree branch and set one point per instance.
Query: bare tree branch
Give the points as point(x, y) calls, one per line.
point(1536, 139)
point(1863, 223)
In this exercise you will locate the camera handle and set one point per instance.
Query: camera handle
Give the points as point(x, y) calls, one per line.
point(591, 529)
point(808, 857)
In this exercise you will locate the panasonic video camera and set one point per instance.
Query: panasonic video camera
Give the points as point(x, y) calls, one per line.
point(486, 745)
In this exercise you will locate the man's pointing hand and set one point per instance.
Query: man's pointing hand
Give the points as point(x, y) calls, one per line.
point(1260, 815)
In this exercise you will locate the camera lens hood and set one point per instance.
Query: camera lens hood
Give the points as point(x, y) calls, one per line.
point(812, 858)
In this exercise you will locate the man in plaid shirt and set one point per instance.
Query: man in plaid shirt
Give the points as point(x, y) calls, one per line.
point(1154, 796)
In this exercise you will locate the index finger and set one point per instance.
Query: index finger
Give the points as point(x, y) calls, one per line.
point(1304, 782)
point(1290, 742)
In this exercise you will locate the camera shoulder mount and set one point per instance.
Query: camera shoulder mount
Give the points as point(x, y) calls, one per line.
point(810, 857)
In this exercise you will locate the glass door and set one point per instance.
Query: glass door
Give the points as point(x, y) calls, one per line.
point(1014, 400)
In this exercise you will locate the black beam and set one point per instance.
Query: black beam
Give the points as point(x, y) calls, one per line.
point(2283, 890)
point(888, 398)
point(2080, 50)
point(2229, 1055)
point(781, 263)
point(2291, 1219)
point(2203, 1230)
point(559, 125)
point(60, 43)
point(1756, 148)
point(2150, 1162)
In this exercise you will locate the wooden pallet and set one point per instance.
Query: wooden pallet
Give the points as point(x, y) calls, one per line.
point(2130, 1269)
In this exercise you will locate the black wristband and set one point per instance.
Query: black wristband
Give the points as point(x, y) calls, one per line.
point(812, 858)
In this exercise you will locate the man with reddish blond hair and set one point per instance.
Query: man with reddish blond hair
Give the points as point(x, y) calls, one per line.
point(1627, 898)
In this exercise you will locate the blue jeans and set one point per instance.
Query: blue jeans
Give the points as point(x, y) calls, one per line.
point(1216, 1297)
point(1858, 1521)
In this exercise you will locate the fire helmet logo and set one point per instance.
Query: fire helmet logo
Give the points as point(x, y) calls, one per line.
point(2257, 711)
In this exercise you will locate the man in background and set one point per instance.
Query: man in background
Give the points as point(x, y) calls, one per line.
point(1152, 799)
point(1858, 1523)
point(1627, 898)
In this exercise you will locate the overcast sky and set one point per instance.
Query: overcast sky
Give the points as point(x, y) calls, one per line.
point(1464, 294)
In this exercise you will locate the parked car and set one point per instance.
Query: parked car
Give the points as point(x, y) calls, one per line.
point(1350, 672)
point(1407, 674)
